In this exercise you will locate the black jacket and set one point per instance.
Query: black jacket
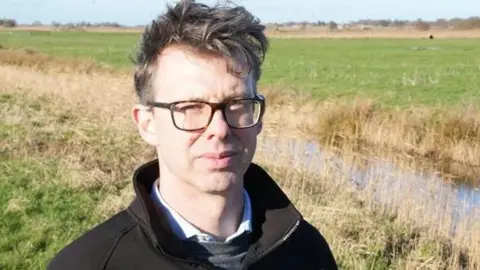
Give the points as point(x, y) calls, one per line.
point(140, 237)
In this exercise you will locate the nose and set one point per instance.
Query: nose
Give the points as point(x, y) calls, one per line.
point(218, 127)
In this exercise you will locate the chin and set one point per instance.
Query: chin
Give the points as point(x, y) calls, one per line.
point(219, 181)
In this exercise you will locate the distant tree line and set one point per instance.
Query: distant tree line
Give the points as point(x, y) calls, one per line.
point(8, 22)
point(72, 25)
point(83, 24)
point(455, 24)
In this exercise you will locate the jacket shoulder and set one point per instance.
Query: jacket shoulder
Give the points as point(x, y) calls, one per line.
point(93, 249)
point(317, 247)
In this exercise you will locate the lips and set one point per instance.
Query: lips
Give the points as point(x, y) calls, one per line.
point(219, 155)
point(219, 160)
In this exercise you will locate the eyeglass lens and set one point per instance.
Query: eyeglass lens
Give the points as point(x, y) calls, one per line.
point(196, 115)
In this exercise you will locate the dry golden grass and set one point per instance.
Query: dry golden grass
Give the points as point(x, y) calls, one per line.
point(50, 64)
point(309, 32)
point(83, 119)
point(406, 231)
point(444, 140)
point(390, 33)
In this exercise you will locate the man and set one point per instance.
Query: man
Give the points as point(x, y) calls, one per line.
point(202, 204)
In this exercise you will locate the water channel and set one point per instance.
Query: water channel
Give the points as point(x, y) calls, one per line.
point(392, 185)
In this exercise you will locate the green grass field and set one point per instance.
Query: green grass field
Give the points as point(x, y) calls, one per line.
point(394, 72)
point(40, 214)
point(66, 167)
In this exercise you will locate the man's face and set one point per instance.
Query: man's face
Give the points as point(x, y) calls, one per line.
point(195, 157)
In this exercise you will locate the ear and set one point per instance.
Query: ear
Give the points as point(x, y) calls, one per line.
point(144, 119)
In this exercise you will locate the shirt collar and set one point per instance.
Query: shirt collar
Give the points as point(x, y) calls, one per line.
point(185, 230)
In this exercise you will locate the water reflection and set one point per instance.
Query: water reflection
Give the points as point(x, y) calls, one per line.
point(389, 185)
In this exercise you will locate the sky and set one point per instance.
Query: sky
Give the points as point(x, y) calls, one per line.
point(141, 12)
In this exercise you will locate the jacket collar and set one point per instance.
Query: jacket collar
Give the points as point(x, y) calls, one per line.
point(186, 230)
point(272, 212)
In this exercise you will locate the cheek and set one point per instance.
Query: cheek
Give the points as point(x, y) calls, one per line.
point(169, 138)
point(247, 138)
point(191, 138)
point(176, 141)
point(248, 141)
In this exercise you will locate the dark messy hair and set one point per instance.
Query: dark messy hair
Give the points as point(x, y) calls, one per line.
point(229, 31)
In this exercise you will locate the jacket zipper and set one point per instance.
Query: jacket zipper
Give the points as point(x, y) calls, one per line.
point(274, 246)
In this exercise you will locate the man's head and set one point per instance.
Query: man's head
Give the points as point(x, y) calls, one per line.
point(212, 55)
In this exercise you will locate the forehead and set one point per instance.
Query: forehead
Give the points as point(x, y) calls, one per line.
point(182, 74)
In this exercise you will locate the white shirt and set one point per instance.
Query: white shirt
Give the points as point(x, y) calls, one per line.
point(186, 230)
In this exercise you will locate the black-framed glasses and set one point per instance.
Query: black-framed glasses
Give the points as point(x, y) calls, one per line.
point(193, 115)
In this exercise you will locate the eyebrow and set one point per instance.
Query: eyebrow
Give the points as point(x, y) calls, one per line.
point(201, 99)
point(195, 99)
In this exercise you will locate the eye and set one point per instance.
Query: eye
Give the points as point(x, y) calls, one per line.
point(237, 104)
point(189, 106)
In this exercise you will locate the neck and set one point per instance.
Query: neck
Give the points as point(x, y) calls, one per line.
point(216, 214)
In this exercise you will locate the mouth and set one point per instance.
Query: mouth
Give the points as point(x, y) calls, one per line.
point(219, 160)
point(219, 155)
